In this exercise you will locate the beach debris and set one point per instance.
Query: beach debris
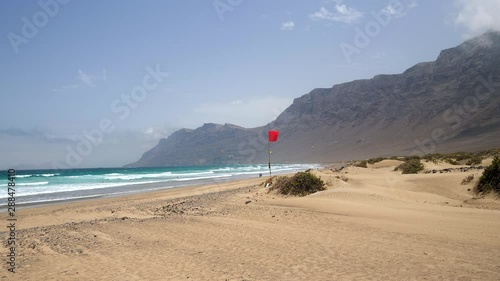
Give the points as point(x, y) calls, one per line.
point(191, 207)
point(248, 202)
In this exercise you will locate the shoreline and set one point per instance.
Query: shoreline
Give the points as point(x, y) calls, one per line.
point(125, 190)
point(170, 193)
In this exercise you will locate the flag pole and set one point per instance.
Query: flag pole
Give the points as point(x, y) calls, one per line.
point(269, 149)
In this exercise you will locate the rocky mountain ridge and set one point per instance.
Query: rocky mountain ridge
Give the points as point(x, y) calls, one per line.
point(450, 104)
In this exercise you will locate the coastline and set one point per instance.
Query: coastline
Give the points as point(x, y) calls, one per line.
point(377, 224)
point(134, 195)
point(84, 184)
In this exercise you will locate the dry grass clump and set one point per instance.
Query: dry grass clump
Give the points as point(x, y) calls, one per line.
point(361, 164)
point(342, 178)
point(467, 179)
point(411, 166)
point(300, 184)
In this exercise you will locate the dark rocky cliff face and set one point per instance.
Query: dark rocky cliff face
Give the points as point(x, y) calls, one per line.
point(211, 144)
point(447, 105)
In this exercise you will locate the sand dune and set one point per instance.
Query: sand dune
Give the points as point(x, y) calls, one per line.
point(377, 225)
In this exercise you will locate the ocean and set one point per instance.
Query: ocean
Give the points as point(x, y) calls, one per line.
point(51, 186)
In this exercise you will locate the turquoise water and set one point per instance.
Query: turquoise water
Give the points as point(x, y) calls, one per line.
point(37, 186)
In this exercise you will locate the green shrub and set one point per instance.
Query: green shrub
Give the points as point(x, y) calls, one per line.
point(414, 157)
point(476, 160)
point(300, 184)
point(434, 158)
point(490, 180)
point(375, 160)
point(459, 156)
point(412, 166)
point(361, 164)
point(281, 184)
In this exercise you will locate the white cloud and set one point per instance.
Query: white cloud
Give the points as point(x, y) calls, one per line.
point(153, 134)
point(249, 113)
point(477, 16)
point(66, 88)
point(378, 55)
point(89, 79)
point(289, 25)
point(395, 9)
point(342, 14)
point(86, 78)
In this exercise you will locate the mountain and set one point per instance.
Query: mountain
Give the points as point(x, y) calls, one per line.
point(450, 104)
point(210, 144)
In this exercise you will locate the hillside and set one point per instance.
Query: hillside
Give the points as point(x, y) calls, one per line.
point(450, 104)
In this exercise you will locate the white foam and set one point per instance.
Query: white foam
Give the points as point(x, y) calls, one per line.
point(70, 187)
point(118, 176)
point(32, 183)
point(193, 174)
point(211, 177)
point(47, 175)
point(112, 180)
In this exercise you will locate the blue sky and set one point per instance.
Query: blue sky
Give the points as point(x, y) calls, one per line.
point(66, 65)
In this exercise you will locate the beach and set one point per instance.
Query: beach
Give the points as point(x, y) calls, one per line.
point(370, 224)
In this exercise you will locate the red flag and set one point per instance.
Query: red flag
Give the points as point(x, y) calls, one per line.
point(273, 136)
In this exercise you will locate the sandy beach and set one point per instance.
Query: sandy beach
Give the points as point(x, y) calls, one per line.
point(377, 225)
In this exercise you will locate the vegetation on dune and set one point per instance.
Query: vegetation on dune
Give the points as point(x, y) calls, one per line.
point(375, 160)
point(434, 157)
point(413, 157)
point(467, 179)
point(451, 161)
point(411, 166)
point(342, 178)
point(475, 160)
point(461, 158)
point(300, 184)
point(361, 164)
point(490, 180)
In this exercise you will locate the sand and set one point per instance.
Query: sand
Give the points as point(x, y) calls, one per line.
point(379, 225)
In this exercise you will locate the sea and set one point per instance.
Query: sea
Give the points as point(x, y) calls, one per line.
point(52, 186)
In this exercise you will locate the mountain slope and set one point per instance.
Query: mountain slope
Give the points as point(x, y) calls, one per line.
point(450, 104)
